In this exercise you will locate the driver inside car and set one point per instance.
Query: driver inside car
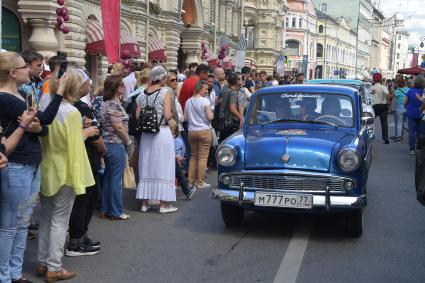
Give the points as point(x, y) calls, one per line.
point(307, 109)
point(331, 107)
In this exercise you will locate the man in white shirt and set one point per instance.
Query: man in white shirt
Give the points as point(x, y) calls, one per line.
point(379, 94)
point(130, 83)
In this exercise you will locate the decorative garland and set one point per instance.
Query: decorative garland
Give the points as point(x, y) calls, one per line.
point(62, 17)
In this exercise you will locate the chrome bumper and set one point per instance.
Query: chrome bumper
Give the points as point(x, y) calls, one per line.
point(247, 198)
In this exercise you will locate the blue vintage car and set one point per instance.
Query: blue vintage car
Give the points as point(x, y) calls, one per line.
point(302, 148)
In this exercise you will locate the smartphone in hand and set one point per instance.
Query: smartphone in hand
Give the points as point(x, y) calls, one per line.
point(62, 69)
point(29, 99)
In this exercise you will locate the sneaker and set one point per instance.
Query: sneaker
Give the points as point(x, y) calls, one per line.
point(203, 185)
point(168, 209)
point(393, 138)
point(145, 208)
point(191, 192)
point(81, 250)
point(412, 152)
point(89, 242)
point(399, 140)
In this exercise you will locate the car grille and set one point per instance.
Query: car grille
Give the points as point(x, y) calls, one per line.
point(288, 183)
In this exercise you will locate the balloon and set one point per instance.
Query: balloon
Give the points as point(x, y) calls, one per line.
point(65, 17)
point(60, 26)
point(59, 11)
point(60, 20)
point(60, 2)
point(66, 30)
point(64, 11)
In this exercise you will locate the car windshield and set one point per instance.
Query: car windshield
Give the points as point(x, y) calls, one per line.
point(315, 108)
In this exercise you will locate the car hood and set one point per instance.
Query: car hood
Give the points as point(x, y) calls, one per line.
point(301, 149)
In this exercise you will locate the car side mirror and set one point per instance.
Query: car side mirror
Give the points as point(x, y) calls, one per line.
point(367, 120)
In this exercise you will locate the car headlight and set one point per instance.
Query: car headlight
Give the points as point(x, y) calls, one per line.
point(349, 160)
point(226, 156)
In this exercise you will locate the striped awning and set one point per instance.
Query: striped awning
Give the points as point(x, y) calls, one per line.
point(95, 44)
point(156, 49)
point(250, 63)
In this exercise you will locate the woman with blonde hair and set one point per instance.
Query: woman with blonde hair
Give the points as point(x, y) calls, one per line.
point(20, 180)
point(65, 173)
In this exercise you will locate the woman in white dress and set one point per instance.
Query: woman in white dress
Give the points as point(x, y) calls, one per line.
point(156, 153)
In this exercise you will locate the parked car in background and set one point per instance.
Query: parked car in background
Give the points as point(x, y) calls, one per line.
point(302, 148)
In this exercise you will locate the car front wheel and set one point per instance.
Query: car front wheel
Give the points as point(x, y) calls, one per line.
point(232, 215)
point(354, 223)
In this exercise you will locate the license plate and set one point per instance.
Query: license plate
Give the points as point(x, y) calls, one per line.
point(283, 200)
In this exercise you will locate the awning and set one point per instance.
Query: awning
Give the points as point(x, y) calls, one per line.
point(95, 44)
point(156, 49)
point(250, 63)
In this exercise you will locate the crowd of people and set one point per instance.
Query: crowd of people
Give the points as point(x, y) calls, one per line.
point(66, 144)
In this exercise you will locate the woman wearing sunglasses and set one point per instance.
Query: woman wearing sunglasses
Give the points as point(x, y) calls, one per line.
point(20, 180)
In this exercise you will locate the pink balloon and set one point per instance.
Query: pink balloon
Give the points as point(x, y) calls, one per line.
point(60, 26)
point(64, 11)
point(60, 20)
point(59, 11)
point(66, 30)
point(60, 2)
point(65, 17)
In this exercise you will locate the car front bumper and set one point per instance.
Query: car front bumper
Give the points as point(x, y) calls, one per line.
point(319, 201)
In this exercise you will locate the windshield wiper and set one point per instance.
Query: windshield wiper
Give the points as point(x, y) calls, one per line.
point(299, 121)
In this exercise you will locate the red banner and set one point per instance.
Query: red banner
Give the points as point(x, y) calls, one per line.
point(111, 18)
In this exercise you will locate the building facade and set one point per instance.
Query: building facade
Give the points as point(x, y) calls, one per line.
point(174, 32)
point(401, 47)
point(358, 14)
point(264, 30)
point(336, 48)
point(301, 37)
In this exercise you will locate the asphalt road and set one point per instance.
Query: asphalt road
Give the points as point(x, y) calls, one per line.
point(193, 245)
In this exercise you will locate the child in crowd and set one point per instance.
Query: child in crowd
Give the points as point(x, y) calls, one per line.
point(180, 151)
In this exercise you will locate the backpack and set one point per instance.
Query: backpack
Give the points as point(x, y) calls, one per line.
point(148, 119)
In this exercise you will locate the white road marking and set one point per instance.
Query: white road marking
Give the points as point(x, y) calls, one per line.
point(290, 266)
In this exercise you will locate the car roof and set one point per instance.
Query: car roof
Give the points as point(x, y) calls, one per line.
point(318, 88)
point(336, 81)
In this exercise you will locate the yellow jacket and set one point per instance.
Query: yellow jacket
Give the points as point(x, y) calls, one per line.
point(65, 160)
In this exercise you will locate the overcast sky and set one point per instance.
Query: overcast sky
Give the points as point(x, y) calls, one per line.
point(413, 11)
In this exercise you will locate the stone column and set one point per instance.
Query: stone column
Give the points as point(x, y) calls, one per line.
point(191, 44)
point(173, 29)
point(41, 15)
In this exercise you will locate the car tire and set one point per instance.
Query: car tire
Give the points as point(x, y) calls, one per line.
point(354, 223)
point(232, 215)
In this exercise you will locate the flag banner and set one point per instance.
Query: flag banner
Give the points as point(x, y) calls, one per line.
point(111, 18)
point(240, 53)
point(280, 65)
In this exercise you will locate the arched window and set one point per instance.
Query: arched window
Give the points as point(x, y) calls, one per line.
point(321, 29)
point(292, 47)
point(300, 23)
point(250, 33)
point(11, 32)
point(319, 51)
point(294, 22)
point(287, 22)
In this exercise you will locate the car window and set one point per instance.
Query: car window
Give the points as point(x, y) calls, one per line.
point(326, 107)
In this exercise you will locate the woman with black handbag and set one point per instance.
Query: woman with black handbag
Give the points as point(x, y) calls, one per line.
point(231, 119)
